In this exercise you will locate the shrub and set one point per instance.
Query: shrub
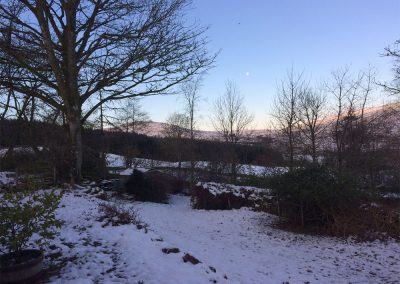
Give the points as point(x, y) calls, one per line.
point(256, 181)
point(369, 221)
point(112, 214)
point(146, 188)
point(93, 165)
point(26, 161)
point(203, 199)
point(25, 213)
point(316, 198)
point(165, 181)
point(221, 196)
point(311, 195)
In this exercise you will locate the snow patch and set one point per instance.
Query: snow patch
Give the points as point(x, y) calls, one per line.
point(7, 178)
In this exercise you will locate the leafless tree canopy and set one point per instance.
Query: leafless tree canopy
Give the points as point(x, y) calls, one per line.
point(311, 116)
point(394, 53)
point(190, 91)
point(177, 128)
point(191, 95)
point(351, 95)
point(231, 117)
point(65, 52)
point(130, 117)
point(177, 125)
point(114, 46)
point(285, 108)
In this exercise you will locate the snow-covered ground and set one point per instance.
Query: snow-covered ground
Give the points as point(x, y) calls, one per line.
point(120, 254)
point(216, 188)
point(239, 245)
point(20, 150)
point(393, 195)
point(116, 161)
point(7, 178)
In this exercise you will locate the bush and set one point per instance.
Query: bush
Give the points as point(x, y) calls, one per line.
point(369, 221)
point(112, 214)
point(146, 188)
point(317, 198)
point(221, 196)
point(203, 199)
point(311, 195)
point(25, 213)
point(93, 165)
point(26, 161)
point(165, 181)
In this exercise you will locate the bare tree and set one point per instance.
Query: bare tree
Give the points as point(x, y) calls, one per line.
point(5, 100)
point(130, 117)
point(190, 91)
point(311, 116)
point(66, 52)
point(231, 119)
point(285, 109)
point(343, 90)
point(177, 128)
point(177, 125)
point(351, 94)
point(393, 52)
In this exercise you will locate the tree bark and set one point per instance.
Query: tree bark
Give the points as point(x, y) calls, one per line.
point(291, 151)
point(75, 136)
point(314, 149)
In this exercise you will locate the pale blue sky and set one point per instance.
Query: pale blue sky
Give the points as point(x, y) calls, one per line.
point(265, 38)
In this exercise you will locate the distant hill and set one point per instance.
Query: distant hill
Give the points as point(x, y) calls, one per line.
point(156, 129)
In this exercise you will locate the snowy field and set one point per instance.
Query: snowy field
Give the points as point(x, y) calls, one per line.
point(237, 246)
point(116, 161)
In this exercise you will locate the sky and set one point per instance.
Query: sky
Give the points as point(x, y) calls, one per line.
point(259, 40)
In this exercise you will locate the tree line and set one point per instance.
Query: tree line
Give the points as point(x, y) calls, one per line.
point(339, 124)
point(84, 64)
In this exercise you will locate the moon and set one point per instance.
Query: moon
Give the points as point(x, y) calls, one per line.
point(247, 74)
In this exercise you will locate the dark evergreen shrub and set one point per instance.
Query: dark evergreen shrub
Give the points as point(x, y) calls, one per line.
point(203, 199)
point(312, 195)
point(145, 189)
point(93, 166)
point(316, 197)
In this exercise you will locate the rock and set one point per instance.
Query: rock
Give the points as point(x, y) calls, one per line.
point(190, 258)
point(170, 250)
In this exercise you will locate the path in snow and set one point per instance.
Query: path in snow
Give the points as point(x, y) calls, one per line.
point(242, 245)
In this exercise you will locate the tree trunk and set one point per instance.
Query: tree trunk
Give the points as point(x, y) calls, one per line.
point(179, 144)
point(291, 152)
point(314, 150)
point(192, 161)
point(75, 136)
point(233, 171)
point(103, 152)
